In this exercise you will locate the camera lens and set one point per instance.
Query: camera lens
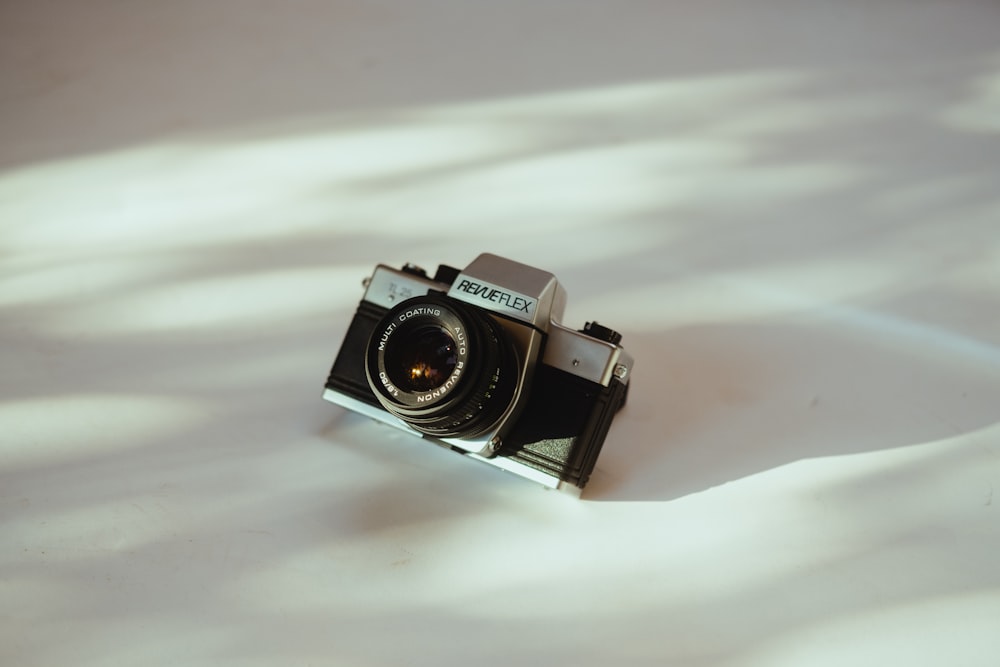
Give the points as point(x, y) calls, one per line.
point(423, 360)
point(444, 368)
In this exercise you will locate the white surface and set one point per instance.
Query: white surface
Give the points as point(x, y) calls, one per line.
point(789, 209)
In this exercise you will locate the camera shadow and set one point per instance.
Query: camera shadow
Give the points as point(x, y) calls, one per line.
point(712, 404)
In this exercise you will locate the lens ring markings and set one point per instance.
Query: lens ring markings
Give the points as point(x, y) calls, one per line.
point(444, 368)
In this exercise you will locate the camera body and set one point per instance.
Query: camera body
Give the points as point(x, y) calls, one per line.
point(477, 360)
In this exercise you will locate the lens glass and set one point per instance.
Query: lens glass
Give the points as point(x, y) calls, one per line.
point(421, 359)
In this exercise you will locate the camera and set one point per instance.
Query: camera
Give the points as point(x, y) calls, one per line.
point(477, 360)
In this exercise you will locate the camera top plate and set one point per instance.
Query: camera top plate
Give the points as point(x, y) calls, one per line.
point(512, 289)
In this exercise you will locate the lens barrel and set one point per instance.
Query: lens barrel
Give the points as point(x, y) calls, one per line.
point(444, 368)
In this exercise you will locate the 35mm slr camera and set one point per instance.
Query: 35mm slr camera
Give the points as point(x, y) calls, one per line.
point(476, 360)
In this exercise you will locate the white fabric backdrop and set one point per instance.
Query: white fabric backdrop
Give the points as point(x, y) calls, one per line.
point(790, 210)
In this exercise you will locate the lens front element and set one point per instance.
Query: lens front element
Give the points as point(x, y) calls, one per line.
point(423, 360)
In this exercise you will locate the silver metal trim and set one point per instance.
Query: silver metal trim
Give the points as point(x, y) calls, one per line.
point(585, 356)
point(378, 414)
point(501, 462)
point(518, 468)
point(387, 286)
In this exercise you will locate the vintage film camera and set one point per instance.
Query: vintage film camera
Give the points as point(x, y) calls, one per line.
point(476, 360)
